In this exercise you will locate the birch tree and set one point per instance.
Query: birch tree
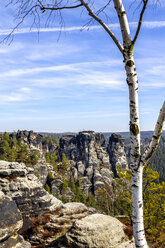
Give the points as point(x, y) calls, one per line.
point(126, 48)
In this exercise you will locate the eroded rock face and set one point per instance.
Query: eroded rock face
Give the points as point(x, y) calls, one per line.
point(96, 231)
point(48, 222)
point(41, 170)
point(45, 218)
point(33, 140)
point(18, 182)
point(52, 225)
point(116, 152)
point(10, 223)
point(88, 156)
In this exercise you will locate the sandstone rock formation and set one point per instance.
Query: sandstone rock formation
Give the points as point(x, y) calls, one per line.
point(92, 163)
point(46, 221)
point(10, 223)
point(88, 158)
point(96, 231)
point(41, 170)
point(116, 152)
point(18, 182)
point(45, 218)
point(33, 140)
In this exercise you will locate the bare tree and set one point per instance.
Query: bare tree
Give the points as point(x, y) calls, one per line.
point(138, 160)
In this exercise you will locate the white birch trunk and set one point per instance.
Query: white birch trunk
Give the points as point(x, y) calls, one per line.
point(136, 166)
point(137, 207)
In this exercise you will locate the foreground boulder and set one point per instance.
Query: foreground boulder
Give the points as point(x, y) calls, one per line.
point(50, 226)
point(10, 223)
point(96, 231)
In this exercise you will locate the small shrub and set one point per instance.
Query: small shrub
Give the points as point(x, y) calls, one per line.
point(48, 188)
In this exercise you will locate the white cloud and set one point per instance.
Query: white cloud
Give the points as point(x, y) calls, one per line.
point(76, 67)
point(155, 24)
point(25, 89)
point(17, 46)
point(146, 24)
point(20, 72)
point(11, 98)
point(17, 95)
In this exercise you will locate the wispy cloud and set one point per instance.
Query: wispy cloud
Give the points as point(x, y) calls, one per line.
point(17, 95)
point(20, 72)
point(99, 74)
point(146, 24)
point(14, 97)
point(76, 67)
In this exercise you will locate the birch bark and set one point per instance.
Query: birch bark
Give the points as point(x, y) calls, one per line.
point(136, 166)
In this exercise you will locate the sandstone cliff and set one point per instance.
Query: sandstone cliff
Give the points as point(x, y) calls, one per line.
point(34, 140)
point(91, 161)
point(88, 158)
point(116, 152)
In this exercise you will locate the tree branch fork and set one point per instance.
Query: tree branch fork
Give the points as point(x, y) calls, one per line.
point(156, 136)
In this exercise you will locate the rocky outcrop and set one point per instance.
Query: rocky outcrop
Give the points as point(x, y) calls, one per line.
point(88, 158)
point(47, 222)
point(116, 152)
point(18, 182)
point(45, 218)
point(10, 223)
point(52, 225)
point(41, 170)
point(34, 141)
point(96, 231)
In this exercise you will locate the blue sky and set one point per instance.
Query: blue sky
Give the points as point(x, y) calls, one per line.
point(77, 82)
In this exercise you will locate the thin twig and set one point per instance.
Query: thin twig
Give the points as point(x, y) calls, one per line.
point(106, 28)
point(140, 22)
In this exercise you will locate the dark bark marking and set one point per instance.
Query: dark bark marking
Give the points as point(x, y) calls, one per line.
point(130, 63)
point(123, 13)
point(134, 185)
point(134, 129)
point(140, 231)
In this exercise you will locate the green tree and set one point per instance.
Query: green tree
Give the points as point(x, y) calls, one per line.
point(65, 162)
point(154, 203)
point(11, 150)
point(105, 199)
point(122, 193)
point(51, 159)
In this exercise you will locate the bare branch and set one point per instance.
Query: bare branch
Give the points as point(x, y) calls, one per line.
point(156, 136)
point(106, 28)
point(43, 8)
point(124, 25)
point(8, 37)
point(140, 21)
